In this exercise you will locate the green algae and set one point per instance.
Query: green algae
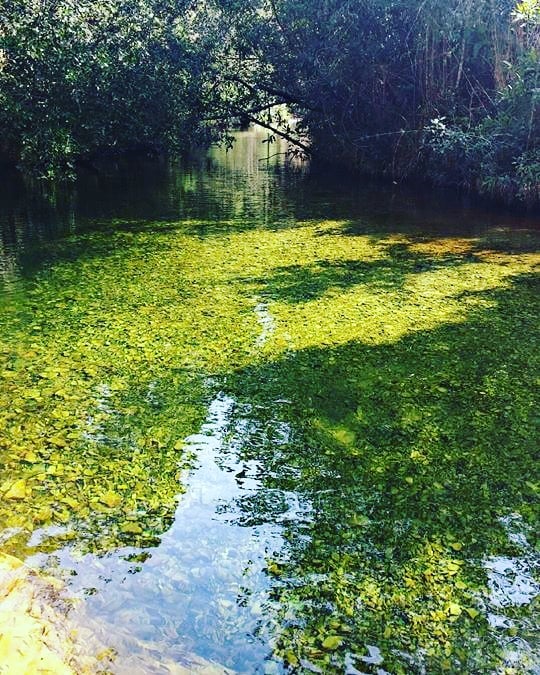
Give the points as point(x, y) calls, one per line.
point(406, 365)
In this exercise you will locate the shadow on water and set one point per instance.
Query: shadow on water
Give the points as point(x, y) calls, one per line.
point(406, 459)
point(298, 283)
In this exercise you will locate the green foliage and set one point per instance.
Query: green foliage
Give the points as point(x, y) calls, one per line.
point(81, 77)
point(365, 80)
point(498, 155)
point(368, 79)
point(528, 172)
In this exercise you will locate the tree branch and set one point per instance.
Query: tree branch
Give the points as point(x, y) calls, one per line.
point(250, 111)
point(256, 89)
point(283, 134)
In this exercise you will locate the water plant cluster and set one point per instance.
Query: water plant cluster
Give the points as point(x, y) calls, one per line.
point(390, 394)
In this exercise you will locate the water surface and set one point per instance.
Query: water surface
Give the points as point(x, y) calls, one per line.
point(261, 418)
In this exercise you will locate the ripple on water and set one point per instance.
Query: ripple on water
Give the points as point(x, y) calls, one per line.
point(513, 586)
point(203, 590)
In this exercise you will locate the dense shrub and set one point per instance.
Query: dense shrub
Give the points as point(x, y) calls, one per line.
point(445, 91)
point(80, 76)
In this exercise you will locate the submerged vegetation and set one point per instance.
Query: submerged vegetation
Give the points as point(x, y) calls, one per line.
point(383, 379)
point(446, 92)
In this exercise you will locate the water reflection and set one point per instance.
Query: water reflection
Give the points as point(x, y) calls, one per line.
point(202, 591)
point(233, 189)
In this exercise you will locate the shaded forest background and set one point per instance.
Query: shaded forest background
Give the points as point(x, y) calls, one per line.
point(443, 91)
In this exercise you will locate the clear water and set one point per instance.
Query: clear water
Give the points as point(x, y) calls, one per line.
point(327, 384)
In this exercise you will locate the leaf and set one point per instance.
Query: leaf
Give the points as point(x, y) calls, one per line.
point(332, 642)
point(43, 515)
point(291, 658)
point(59, 442)
point(71, 502)
point(473, 613)
point(359, 520)
point(17, 490)
point(131, 528)
point(274, 568)
point(110, 499)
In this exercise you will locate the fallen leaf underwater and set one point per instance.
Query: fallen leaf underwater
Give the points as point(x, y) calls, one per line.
point(390, 400)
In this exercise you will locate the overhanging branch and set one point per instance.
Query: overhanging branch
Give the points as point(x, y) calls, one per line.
point(240, 112)
point(267, 89)
point(282, 134)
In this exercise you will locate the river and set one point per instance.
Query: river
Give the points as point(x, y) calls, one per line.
point(261, 418)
